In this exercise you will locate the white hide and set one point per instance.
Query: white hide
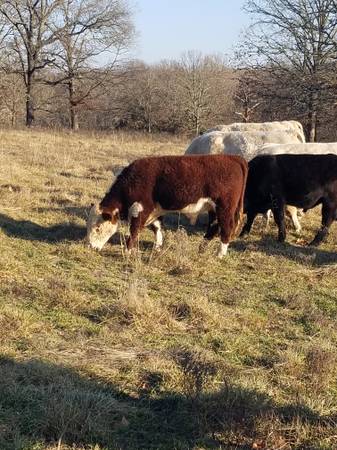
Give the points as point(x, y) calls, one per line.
point(242, 143)
point(283, 126)
point(135, 209)
point(321, 148)
point(191, 211)
point(223, 250)
point(99, 231)
point(158, 234)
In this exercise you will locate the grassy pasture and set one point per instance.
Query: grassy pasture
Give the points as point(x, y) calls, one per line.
point(170, 350)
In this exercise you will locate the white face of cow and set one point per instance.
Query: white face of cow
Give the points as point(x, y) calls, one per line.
point(99, 230)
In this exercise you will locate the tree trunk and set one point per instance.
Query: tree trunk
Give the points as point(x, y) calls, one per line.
point(312, 117)
point(13, 117)
point(29, 102)
point(73, 118)
point(312, 127)
point(246, 114)
point(74, 125)
point(197, 124)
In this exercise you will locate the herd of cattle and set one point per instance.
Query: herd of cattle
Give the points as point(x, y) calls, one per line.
point(249, 168)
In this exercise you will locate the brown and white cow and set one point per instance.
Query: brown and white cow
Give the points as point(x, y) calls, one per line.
point(152, 187)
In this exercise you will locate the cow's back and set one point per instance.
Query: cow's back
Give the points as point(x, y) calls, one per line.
point(291, 175)
point(243, 143)
point(198, 170)
point(180, 176)
point(285, 126)
point(313, 148)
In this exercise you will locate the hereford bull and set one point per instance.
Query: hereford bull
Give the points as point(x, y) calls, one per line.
point(152, 187)
point(304, 181)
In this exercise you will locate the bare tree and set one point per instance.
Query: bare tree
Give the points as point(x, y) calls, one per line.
point(89, 32)
point(29, 37)
point(296, 42)
point(194, 85)
point(161, 97)
point(202, 82)
point(11, 98)
point(247, 100)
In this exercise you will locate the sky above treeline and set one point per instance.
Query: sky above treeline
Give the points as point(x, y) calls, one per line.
point(168, 28)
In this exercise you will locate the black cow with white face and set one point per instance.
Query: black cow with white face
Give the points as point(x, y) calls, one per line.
point(304, 181)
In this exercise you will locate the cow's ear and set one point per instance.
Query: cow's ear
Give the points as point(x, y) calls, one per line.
point(106, 216)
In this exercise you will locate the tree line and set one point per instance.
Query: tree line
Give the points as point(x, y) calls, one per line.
point(66, 63)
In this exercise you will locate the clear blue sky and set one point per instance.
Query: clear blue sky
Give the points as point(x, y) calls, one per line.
point(167, 28)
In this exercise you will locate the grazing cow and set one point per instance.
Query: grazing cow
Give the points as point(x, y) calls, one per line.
point(296, 148)
point(248, 144)
point(242, 143)
point(152, 187)
point(310, 148)
point(304, 181)
point(284, 126)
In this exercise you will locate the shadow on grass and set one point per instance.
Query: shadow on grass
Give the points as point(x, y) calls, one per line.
point(72, 211)
point(25, 229)
point(45, 403)
point(270, 246)
point(173, 221)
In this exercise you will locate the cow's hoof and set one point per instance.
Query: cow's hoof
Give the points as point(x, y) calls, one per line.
point(222, 250)
point(129, 252)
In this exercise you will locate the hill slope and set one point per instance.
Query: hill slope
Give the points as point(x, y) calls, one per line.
point(174, 350)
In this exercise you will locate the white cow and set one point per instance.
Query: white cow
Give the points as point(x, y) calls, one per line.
point(321, 148)
point(248, 144)
point(242, 143)
point(286, 125)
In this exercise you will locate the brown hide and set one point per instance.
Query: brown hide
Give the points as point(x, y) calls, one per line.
point(172, 183)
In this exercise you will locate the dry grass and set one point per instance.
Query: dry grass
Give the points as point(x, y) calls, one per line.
point(169, 350)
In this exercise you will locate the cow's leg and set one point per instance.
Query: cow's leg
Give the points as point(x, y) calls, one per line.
point(156, 228)
point(278, 212)
point(267, 217)
point(211, 232)
point(292, 212)
point(136, 225)
point(212, 227)
point(249, 222)
point(226, 219)
point(329, 214)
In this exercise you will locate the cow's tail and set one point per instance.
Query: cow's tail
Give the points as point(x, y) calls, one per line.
point(238, 215)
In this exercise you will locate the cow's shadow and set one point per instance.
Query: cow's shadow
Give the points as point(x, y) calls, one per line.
point(69, 210)
point(175, 220)
point(70, 231)
point(28, 230)
point(42, 402)
point(270, 246)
